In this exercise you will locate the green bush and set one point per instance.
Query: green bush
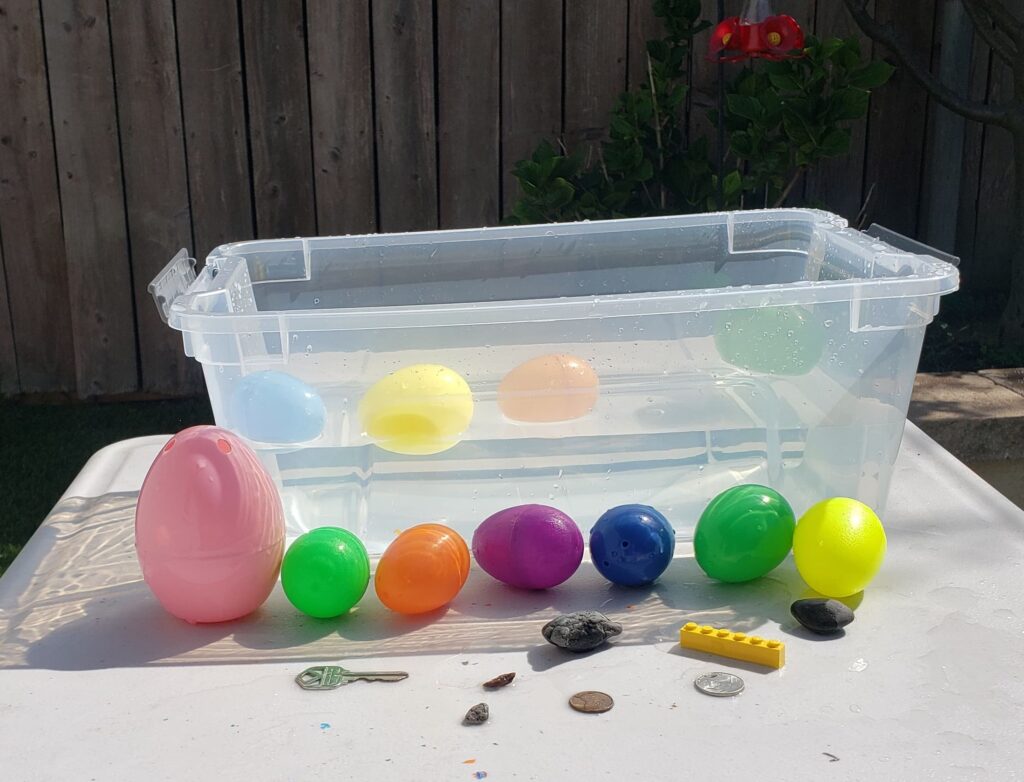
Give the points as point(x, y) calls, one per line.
point(781, 119)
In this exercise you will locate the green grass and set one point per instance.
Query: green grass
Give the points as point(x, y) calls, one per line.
point(43, 447)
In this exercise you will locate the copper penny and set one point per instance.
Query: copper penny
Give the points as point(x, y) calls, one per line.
point(591, 702)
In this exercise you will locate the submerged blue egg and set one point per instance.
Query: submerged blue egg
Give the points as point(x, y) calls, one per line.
point(632, 544)
point(274, 407)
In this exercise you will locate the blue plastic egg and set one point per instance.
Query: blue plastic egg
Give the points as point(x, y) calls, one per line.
point(274, 407)
point(632, 545)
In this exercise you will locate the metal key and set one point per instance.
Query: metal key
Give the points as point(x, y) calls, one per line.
point(330, 677)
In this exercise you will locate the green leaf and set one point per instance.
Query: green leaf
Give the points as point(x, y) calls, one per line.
point(560, 194)
point(732, 184)
point(872, 75)
point(851, 103)
point(745, 106)
point(644, 172)
point(741, 144)
point(796, 127)
point(622, 127)
point(836, 142)
point(784, 82)
point(830, 47)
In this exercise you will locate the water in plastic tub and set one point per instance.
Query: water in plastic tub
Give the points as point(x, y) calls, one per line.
point(654, 361)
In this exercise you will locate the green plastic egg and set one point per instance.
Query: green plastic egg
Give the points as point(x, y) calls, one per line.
point(744, 533)
point(325, 572)
point(771, 340)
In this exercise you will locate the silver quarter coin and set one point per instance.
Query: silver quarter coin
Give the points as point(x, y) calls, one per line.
point(719, 684)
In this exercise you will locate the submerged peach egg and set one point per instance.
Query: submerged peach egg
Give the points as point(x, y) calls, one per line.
point(556, 387)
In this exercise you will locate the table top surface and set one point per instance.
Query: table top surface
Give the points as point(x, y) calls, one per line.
point(97, 681)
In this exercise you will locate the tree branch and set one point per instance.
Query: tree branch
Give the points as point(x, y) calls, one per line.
point(886, 35)
point(998, 41)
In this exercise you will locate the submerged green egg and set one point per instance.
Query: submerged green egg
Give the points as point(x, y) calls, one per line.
point(771, 340)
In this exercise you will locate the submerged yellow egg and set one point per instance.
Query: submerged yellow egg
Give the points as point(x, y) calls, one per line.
point(418, 410)
point(557, 387)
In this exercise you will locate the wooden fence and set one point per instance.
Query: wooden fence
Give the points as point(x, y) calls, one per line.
point(130, 128)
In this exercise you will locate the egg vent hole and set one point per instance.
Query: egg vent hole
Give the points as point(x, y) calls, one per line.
point(224, 445)
point(625, 544)
point(607, 563)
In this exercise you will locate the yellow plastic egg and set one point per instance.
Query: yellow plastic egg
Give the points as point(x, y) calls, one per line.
point(418, 410)
point(839, 545)
point(557, 387)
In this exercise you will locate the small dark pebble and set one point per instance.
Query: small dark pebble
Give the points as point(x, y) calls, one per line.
point(477, 715)
point(499, 681)
point(821, 615)
point(580, 631)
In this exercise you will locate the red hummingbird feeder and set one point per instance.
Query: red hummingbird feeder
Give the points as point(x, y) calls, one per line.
point(757, 33)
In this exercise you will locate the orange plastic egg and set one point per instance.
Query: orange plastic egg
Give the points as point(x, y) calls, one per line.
point(557, 387)
point(423, 569)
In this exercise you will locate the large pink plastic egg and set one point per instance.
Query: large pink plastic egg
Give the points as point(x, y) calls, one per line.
point(209, 529)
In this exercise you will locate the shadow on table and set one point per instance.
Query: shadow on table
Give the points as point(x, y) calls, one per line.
point(75, 601)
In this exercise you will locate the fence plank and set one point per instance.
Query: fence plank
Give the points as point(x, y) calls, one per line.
point(155, 181)
point(469, 167)
point(30, 222)
point(92, 197)
point(276, 83)
point(970, 176)
point(403, 49)
point(595, 67)
point(643, 27)
point(990, 267)
point(705, 78)
point(9, 383)
point(341, 101)
point(896, 124)
point(837, 184)
point(943, 166)
point(213, 108)
point(531, 79)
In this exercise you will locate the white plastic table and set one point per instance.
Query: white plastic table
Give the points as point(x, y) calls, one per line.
point(97, 682)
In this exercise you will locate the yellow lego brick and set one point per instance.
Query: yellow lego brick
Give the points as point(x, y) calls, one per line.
point(739, 646)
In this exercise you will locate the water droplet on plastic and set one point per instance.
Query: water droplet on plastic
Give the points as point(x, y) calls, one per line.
point(858, 665)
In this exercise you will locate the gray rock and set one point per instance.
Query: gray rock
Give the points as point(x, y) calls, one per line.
point(477, 715)
point(821, 615)
point(581, 631)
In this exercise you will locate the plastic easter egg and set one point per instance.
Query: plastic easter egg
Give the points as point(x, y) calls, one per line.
point(550, 388)
point(325, 572)
point(274, 407)
point(422, 570)
point(632, 545)
point(418, 410)
point(529, 546)
point(771, 340)
point(209, 529)
point(839, 545)
point(744, 532)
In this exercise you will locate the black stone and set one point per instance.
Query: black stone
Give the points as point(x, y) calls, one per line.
point(821, 615)
point(581, 631)
point(477, 715)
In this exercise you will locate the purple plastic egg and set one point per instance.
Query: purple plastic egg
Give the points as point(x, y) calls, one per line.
point(529, 546)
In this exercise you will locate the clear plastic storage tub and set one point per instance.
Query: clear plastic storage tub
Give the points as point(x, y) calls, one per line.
point(775, 347)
